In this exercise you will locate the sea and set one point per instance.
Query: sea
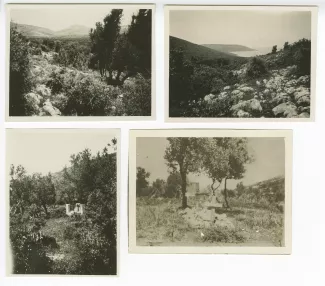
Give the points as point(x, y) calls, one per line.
point(257, 52)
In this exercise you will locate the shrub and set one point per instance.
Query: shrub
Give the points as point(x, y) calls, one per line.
point(256, 68)
point(224, 235)
point(45, 48)
point(69, 232)
point(57, 212)
point(137, 98)
point(87, 96)
point(274, 49)
point(19, 76)
point(56, 81)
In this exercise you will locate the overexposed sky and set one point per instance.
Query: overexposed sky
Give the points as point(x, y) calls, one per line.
point(46, 151)
point(269, 161)
point(253, 29)
point(59, 17)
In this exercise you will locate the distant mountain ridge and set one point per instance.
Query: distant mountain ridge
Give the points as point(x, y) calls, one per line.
point(199, 51)
point(227, 48)
point(74, 31)
point(31, 31)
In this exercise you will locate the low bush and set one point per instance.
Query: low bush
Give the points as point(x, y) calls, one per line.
point(224, 235)
point(256, 68)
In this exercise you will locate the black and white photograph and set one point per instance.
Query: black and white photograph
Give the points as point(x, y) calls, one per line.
point(210, 191)
point(80, 62)
point(240, 63)
point(62, 201)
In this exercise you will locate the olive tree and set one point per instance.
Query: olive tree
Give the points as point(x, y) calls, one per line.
point(225, 159)
point(183, 155)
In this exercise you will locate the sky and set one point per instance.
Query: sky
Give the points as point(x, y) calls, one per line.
point(269, 154)
point(254, 29)
point(61, 17)
point(44, 151)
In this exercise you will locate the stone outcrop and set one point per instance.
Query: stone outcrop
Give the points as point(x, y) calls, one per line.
point(282, 94)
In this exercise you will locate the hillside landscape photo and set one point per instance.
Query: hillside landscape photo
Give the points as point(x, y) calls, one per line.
point(80, 60)
point(210, 192)
point(63, 203)
point(240, 63)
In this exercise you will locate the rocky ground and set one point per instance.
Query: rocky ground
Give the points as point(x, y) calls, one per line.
point(200, 218)
point(162, 222)
point(282, 94)
point(87, 86)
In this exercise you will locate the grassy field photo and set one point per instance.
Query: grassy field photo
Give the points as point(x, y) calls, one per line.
point(240, 63)
point(80, 60)
point(209, 192)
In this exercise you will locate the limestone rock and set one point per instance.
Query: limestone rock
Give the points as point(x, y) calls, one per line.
point(250, 106)
point(43, 90)
point(209, 97)
point(281, 98)
point(304, 115)
point(286, 109)
point(247, 89)
point(49, 109)
point(302, 96)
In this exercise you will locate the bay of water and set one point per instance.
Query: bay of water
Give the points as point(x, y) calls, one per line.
point(257, 52)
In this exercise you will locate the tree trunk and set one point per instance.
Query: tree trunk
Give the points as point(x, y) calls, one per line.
point(184, 197)
point(225, 193)
point(118, 76)
point(215, 189)
point(45, 209)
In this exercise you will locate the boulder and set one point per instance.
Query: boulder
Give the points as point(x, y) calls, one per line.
point(33, 101)
point(281, 98)
point(224, 224)
point(266, 91)
point(302, 96)
point(49, 109)
point(226, 87)
point(250, 106)
point(209, 97)
point(291, 83)
point(238, 94)
point(221, 216)
point(246, 89)
point(286, 109)
point(33, 98)
point(243, 114)
point(304, 115)
point(43, 91)
point(289, 90)
point(305, 80)
point(223, 95)
point(302, 109)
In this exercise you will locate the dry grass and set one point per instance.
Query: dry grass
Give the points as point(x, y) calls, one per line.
point(160, 222)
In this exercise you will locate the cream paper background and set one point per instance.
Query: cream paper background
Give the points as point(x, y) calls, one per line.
point(304, 267)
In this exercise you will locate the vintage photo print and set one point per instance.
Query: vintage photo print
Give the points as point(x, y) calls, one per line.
point(210, 191)
point(240, 63)
point(63, 201)
point(80, 62)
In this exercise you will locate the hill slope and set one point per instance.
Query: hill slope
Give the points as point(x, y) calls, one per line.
point(39, 32)
point(33, 31)
point(197, 51)
point(273, 190)
point(228, 48)
point(75, 31)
